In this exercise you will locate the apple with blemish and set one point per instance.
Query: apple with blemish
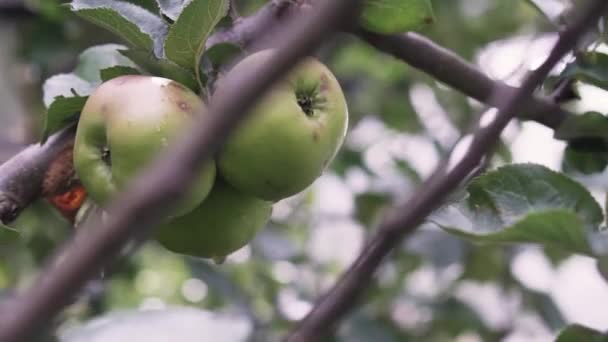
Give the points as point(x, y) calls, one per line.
point(125, 123)
point(291, 135)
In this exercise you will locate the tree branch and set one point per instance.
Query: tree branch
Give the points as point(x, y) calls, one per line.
point(144, 203)
point(21, 177)
point(447, 67)
point(404, 219)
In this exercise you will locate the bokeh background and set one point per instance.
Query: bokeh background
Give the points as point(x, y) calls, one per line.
point(435, 287)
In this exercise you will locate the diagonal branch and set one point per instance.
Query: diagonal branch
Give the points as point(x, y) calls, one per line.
point(140, 207)
point(404, 219)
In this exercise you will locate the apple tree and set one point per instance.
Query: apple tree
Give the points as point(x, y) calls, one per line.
point(302, 170)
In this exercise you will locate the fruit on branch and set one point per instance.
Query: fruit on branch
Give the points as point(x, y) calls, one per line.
point(125, 123)
point(292, 134)
point(223, 223)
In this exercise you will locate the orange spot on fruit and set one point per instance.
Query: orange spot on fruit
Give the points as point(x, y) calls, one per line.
point(69, 202)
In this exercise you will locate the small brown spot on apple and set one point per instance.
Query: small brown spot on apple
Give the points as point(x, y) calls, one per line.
point(315, 135)
point(183, 106)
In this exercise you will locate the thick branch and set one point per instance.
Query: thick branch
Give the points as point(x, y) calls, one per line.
point(21, 177)
point(447, 67)
point(145, 202)
point(404, 219)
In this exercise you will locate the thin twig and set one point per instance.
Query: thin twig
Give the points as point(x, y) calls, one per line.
point(404, 219)
point(144, 203)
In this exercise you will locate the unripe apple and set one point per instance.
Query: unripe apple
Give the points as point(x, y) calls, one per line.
point(125, 123)
point(292, 134)
point(226, 221)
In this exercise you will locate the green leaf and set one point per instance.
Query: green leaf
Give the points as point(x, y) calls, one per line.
point(395, 16)
point(577, 333)
point(587, 125)
point(220, 54)
point(116, 71)
point(96, 58)
point(186, 39)
point(62, 112)
point(524, 203)
point(64, 97)
point(583, 161)
point(590, 67)
point(171, 8)
point(162, 67)
point(137, 26)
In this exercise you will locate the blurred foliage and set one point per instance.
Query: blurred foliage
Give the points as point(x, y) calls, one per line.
point(420, 294)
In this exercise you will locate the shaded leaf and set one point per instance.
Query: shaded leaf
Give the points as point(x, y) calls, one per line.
point(220, 54)
point(162, 67)
point(96, 58)
point(524, 203)
point(585, 126)
point(583, 161)
point(62, 112)
point(186, 39)
point(395, 16)
point(577, 333)
point(137, 26)
point(116, 71)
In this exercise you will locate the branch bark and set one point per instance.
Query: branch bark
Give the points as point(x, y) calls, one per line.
point(404, 219)
point(21, 177)
point(144, 203)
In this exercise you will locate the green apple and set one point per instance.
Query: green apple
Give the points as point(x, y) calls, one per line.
point(226, 221)
point(125, 123)
point(291, 136)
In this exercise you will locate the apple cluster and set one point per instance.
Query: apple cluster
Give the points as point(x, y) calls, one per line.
point(283, 145)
